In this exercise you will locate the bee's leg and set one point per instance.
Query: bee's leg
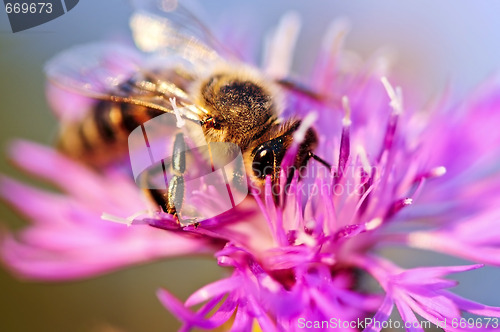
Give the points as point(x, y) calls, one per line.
point(175, 193)
point(239, 176)
point(171, 199)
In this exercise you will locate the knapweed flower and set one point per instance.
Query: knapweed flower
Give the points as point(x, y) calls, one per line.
point(300, 253)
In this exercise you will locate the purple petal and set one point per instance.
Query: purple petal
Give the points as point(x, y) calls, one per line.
point(181, 312)
point(431, 305)
point(116, 192)
point(451, 244)
point(409, 317)
point(214, 289)
point(54, 261)
point(224, 312)
point(381, 316)
point(242, 321)
point(265, 323)
point(419, 276)
point(474, 307)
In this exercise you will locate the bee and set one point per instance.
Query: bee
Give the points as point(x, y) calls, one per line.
point(232, 102)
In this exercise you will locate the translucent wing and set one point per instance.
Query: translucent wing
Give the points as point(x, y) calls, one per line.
point(166, 26)
point(117, 73)
point(94, 69)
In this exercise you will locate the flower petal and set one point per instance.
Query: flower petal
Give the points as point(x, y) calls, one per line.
point(214, 289)
point(381, 316)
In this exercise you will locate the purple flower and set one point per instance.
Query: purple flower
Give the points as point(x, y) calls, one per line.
point(424, 180)
point(68, 239)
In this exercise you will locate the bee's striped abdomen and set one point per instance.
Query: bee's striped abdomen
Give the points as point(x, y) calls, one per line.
point(102, 135)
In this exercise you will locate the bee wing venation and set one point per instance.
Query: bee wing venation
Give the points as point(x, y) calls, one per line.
point(118, 73)
point(156, 34)
point(167, 26)
point(94, 69)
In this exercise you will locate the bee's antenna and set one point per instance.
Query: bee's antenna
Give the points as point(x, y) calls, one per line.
point(320, 160)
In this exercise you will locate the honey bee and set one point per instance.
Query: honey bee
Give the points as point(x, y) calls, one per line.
point(232, 103)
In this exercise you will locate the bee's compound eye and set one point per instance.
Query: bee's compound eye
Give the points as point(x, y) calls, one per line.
point(212, 123)
point(263, 162)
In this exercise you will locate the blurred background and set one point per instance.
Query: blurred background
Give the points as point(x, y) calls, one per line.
point(435, 43)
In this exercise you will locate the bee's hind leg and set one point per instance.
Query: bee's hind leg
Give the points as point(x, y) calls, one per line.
point(174, 198)
point(171, 201)
point(176, 187)
point(167, 201)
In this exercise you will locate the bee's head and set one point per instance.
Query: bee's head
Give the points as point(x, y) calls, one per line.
point(267, 155)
